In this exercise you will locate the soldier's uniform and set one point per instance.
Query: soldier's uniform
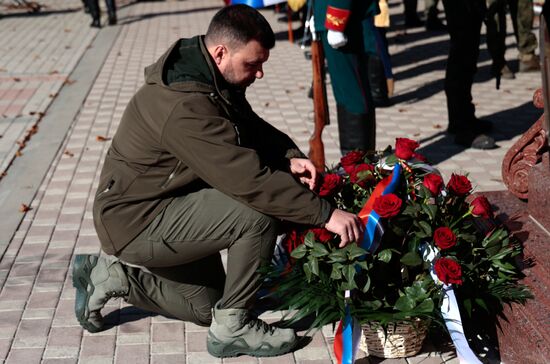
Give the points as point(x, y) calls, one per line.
point(347, 67)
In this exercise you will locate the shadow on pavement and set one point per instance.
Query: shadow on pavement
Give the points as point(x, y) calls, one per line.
point(507, 124)
point(124, 315)
point(39, 13)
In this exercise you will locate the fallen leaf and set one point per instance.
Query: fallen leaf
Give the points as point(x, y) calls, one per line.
point(266, 104)
point(54, 72)
point(68, 81)
point(401, 110)
point(32, 112)
point(288, 91)
point(416, 134)
point(438, 126)
point(53, 96)
point(69, 153)
point(507, 91)
point(21, 144)
point(18, 154)
point(67, 47)
point(101, 138)
point(24, 208)
point(17, 79)
point(67, 30)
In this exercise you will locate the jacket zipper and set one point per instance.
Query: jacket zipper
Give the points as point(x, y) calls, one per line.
point(171, 175)
point(107, 189)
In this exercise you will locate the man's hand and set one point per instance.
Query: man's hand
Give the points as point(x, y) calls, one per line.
point(305, 171)
point(347, 225)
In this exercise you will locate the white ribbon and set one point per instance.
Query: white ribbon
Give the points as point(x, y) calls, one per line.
point(450, 313)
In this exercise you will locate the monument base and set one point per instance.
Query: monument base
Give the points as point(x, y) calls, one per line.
point(524, 335)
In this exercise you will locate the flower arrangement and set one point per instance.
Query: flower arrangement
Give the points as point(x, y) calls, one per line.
point(434, 234)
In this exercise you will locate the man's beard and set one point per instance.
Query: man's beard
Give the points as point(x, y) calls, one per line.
point(229, 76)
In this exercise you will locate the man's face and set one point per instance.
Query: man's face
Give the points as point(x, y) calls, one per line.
point(243, 65)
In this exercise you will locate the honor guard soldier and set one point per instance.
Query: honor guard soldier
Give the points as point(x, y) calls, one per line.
point(345, 27)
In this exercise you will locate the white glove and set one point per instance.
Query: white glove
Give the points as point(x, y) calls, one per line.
point(336, 39)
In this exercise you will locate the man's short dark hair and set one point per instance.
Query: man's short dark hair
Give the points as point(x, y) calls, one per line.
point(236, 25)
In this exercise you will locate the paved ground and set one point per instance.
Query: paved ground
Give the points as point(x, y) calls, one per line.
point(63, 88)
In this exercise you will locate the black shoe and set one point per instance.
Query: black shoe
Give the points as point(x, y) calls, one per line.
point(382, 102)
point(112, 20)
point(478, 125)
point(475, 140)
point(435, 25)
point(96, 23)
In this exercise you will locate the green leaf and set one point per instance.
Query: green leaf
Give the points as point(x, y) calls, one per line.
point(411, 210)
point(426, 306)
point(338, 256)
point(391, 160)
point(336, 273)
point(319, 250)
point(411, 259)
point(482, 304)
point(314, 265)
point(307, 271)
point(366, 287)
point(404, 303)
point(349, 272)
point(371, 305)
point(426, 227)
point(355, 252)
point(468, 306)
point(299, 252)
point(385, 255)
point(309, 240)
point(430, 210)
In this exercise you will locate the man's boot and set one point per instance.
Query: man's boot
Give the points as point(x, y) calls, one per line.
point(96, 281)
point(357, 131)
point(529, 62)
point(377, 82)
point(111, 11)
point(235, 332)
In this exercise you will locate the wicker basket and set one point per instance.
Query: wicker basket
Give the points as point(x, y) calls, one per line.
point(403, 339)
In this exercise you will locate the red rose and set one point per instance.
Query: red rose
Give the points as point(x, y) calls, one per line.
point(444, 238)
point(481, 207)
point(404, 148)
point(352, 158)
point(448, 271)
point(331, 184)
point(388, 205)
point(433, 182)
point(361, 176)
point(322, 235)
point(293, 239)
point(459, 185)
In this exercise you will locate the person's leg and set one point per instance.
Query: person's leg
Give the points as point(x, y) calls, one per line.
point(350, 84)
point(93, 5)
point(495, 22)
point(461, 68)
point(111, 11)
point(522, 19)
point(432, 20)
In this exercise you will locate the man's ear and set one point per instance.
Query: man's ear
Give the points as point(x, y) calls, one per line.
point(219, 52)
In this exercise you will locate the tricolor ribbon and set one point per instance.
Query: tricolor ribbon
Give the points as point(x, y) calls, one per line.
point(257, 3)
point(346, 340)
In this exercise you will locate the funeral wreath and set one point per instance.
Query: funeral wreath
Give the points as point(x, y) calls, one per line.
point(422, 234)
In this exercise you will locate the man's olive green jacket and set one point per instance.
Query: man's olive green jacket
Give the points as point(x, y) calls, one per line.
point(187, 129)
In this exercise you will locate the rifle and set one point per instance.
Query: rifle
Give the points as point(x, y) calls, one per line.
point(320, 105)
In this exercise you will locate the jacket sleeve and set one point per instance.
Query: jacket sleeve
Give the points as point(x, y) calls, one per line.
point(208, 143)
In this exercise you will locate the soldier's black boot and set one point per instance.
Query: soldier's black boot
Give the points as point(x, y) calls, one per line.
point(377, 82)
point(94, 12)
point(357, 131)
point(111, 11)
